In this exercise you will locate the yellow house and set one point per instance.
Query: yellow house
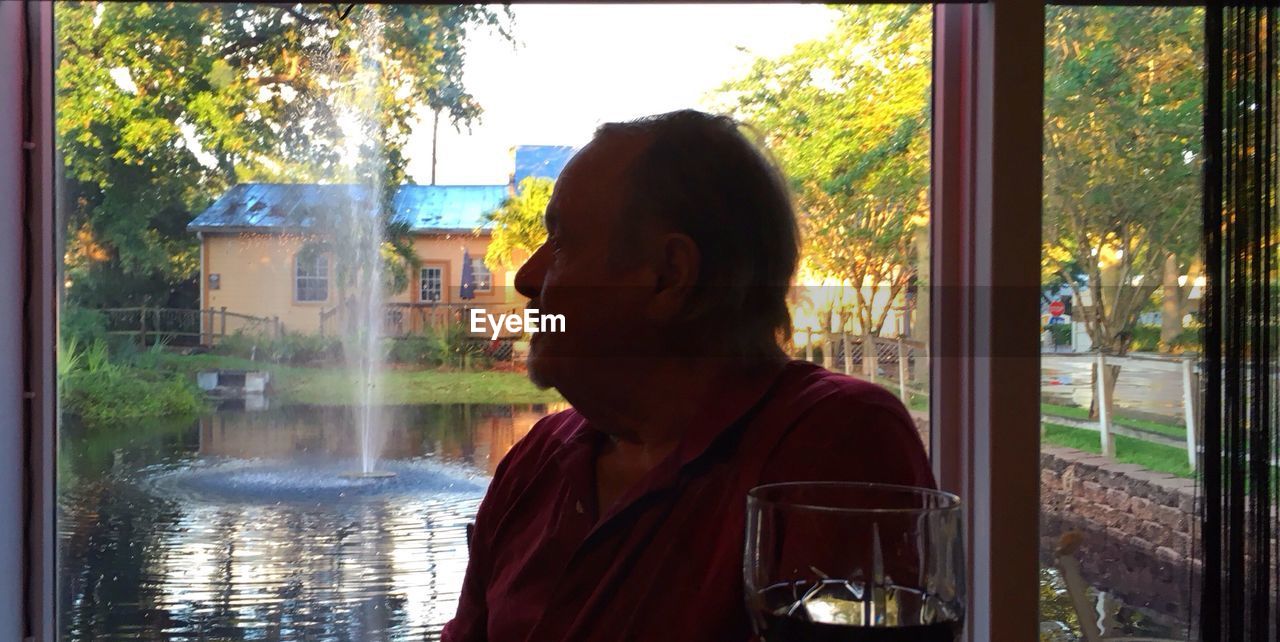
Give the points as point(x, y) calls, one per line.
point(252, 260)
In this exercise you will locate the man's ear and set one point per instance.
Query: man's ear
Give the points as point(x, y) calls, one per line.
point(676, 267)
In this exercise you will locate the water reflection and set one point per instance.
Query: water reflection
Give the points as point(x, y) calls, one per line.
point(142, 561)
point(162, 539)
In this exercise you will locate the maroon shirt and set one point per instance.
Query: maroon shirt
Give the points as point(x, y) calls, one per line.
point(665, 561)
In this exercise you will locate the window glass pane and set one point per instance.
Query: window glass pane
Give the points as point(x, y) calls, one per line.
point(230, 410)
point(1121, 292)
point(481, 276)
point(313, 278)
point(432, 280)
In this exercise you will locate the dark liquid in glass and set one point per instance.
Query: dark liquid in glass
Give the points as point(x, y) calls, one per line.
point(780, 627)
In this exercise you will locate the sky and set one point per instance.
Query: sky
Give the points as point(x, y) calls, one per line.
point(576, 66)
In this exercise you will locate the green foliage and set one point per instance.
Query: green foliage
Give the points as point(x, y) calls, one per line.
point(1122, 152)
point(463, 350)
point(428, 349)
point(290, 348)
point(1061, 334)
point(162, 106)
point(101, 391)
point(81, 325)
point(450, 346)
point(847, 118)
point(518, 224)
point(293, 348)
point(1146, 338)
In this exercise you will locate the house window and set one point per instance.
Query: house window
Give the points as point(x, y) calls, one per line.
point(311, 278)
point(431, 285)
point(481, 278)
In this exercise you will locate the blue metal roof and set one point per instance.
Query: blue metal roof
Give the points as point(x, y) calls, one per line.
point(426, 208)
point(542, 161)
point(447, 207)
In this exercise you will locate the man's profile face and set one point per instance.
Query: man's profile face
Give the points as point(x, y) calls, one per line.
point(572, 274)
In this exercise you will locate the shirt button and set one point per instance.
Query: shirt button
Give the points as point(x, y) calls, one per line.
point(578, 507)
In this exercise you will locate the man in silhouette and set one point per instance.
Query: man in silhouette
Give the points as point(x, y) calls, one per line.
point(671, 247)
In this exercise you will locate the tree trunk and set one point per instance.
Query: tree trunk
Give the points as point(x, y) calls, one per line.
point(920, 317)
point(435, 135)
point(1171, 304)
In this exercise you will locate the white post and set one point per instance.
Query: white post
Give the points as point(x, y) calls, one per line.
point(1190, 395)
point(1104, 408)
point(808, 347)
point(902, 371)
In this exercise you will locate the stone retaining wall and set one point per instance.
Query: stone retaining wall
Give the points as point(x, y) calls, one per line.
point(1138, 527)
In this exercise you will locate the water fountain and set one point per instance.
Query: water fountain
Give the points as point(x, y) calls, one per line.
point(358, 236)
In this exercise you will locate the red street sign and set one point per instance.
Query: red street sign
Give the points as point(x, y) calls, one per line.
point(1056, 308)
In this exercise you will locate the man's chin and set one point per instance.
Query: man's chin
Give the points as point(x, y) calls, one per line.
point(539, 378)
point(539, 370)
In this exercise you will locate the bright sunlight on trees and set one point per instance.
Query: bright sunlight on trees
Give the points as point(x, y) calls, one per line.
point(847, 118)
point(152, 130)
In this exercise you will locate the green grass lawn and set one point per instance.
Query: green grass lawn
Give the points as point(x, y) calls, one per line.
point(294, 384)
point(1157, 457)
point(331, 386)
point(1075, 412)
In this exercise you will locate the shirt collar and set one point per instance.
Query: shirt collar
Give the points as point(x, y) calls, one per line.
point(732, 397)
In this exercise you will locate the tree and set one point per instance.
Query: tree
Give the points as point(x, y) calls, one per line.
point(162, 106)
point(517, 225)
point(1122, 156)
point(847, 118)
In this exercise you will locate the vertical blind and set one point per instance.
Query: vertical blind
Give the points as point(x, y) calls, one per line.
point(1238, 521)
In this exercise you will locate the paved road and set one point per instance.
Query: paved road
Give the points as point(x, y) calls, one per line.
point(1146, 386)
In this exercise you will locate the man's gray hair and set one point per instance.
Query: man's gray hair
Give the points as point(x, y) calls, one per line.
point(698, 174)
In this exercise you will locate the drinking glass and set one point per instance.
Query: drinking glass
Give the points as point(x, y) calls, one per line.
point(854, 561)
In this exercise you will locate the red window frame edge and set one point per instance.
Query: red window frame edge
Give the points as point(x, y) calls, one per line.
point(31, 534)
point(987, 130)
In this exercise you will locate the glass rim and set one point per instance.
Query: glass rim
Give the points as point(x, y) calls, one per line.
point(950, 501)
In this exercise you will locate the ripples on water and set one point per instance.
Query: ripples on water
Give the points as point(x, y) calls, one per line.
point(167, 543)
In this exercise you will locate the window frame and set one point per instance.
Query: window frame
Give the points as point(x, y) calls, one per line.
point(985, 264)
point(298, 277)
point(986, 110)
point(477, 264)
point(422, 283)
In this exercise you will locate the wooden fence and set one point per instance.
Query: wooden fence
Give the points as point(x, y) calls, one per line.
point(181, 325)
point(897, 361)
point(406, 319)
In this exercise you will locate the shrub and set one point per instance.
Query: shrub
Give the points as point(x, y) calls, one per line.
point(427, 349)
point(101, 391)
point(123, 394)
point(290, 348)
point(463, 350)
point(237, 344)
point(294, 349)
point(82, 325)
point(1146, 338)
point(1061, 333)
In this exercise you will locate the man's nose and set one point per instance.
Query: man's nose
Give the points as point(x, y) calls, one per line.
point(530, 276)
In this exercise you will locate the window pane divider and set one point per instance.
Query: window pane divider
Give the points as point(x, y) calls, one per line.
point(986, 201)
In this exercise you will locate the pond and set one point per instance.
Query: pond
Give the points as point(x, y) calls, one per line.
point(242, 526)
